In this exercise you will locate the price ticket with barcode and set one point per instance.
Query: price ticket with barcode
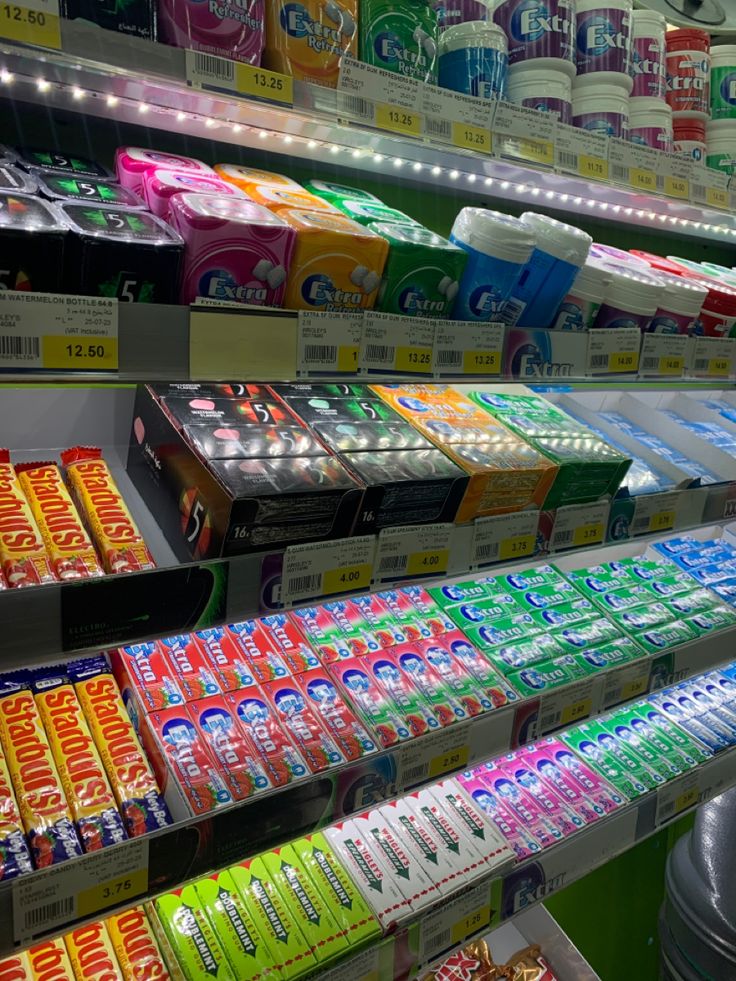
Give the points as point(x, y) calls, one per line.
point(504, 537)
point(462, 120)
point(413, 550)
point(655, 512)
point(712, 357)
point(579, 525)
point(325, 568)
point(524, 134)
point(463, 348)
point(613, 350)
point(397, 345)
point(664, 354)
point(379, 98)
point(709, 186)
point(211, 71)
point(579, 151)
point(329, 343)
point(635, 165)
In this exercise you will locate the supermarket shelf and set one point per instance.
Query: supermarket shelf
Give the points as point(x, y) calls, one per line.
point(196, 846)
point(105, 74)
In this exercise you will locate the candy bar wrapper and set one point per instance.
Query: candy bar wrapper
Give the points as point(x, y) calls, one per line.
point(525, 807)
point(91, 953)
point(194, 769)
point(408, 701)
point(517, 767)
point(371, 700)
point(333, 712)
point(405, 615)
point(148, 672)
point(23, 556)
point(17, 967)
point(540, 759)
point(113, 530)
point(473, 963)
point(529, 965)
point(505, 820)
point(87, 789)
point(15, 859)
point(136, 948)
point(46, 816)
point(266, 663)
point(50, 959)
point(258, 718)
point(196, 945)
point(194, 675)
point(236, 929)
point(69, 547)
point(128, 770)
point(287, 639)
point(228, 661)
point(428, 682)
point(454, 676)
point(240, 764)
point(297, 719)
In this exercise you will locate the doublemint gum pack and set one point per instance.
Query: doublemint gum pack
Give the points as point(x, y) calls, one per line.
point(586, 743)
point(306, 905)
point(196, 945)
point(351, 912)
point(236, 930)
point(275, 922)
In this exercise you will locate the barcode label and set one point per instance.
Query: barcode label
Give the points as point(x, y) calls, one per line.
point(437, 944)
point(320, 353)
point(448, 359)
point(640, 524)
point(649, 364)
point(392, 563)
point(567, 159)
point(380, 353)
point(564, 537)
point(699, 190)
point(550, 720)
point(441, 128)
point(415, 774)
point(17, 346)
point(599, 361)
point(40, 915)
point(219, 69)
point(486, 551)
point(357, 106)
point(660, 182)
point(619, 172)
point(304, 584)
point(701, 364)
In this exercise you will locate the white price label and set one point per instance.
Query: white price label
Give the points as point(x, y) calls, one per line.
point(413, 550)
point(463, 348)
point(504, 537)
point(211, 71)
point(613, 350)
point(634, 165)
point(580, 152)
point(709, 187)
point(570, 705)
point(439, 753)
point(664, 354)
point(579, 525)
point(369, 965)
point(674, 172)
point(462, 120)
point(58, 333)
point(63, 893)
point(325, 568)
point(625, 683)
point(524, 134)
point(677, 796)
point(379, 98)
point(329, 342)
point(399, 345)
point(655, 513)
point(713, 357)
point(457, 919)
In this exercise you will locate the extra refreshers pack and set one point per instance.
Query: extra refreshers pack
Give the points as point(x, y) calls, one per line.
point(308, 39)
point(505, 473)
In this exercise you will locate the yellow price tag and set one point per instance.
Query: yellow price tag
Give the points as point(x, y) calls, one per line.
point(687, 799)
point(662, 521)
point(414, 359)
point(18, 23)
point(348, 578)
point(623, 361)
point(593, 167)
point(671, 366)
point(455, 759)
point(481, 362)
point(589, 534)
point(716, 197)
point(719, 367)
point(539, 151)
point(433, 561)
point(517, 547)
point(576, 711)
point(347, 357)
point(263, 84)
point(471, 137)
point(635, 687)
point(645, 180)
point(478, 920)
point(677, 187)
point(90, 354)
point(398, 120)
point(105, 894)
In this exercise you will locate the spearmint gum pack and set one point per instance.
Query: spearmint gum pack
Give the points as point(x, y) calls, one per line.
point(620, 651)
point(643, 617)
point(295, 714)
point(227, 660)
point(656, 739)
point(544, 597)
point(335, 715)
point(463, 592)
point(583, 635)
point(409, 873)
point(265, 662)
point(479, 666)
point(543, 575)
point(420, 838)
point(483, 610)
point(540, 759)
point(509, 630)
point(542, 677)
point(426, 680)
point(698, 601)
point(717, 618)
point(405, 614)
point(617, 750)
point(625, 599)
point(259, 719)
point(194, 673)
point(409, 703)
point(515, 832)
point(145, 669)
point(525, 808)
point(189, 931)
point(240, 765)
point(285, 637)
point(585, 744)
point(526, 654)
point(376, 707)
point(400, 38)
point(688, 746)
point(455, 677)
point(519, 769)
point(668, 635)
point(578, 611)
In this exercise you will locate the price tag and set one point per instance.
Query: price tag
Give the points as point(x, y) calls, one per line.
point(329, 342)
point(397, 120)
point(210, 71)
point(613, 350)
point(582, 153)
point(716, 197)
point(63, 333)
point(626, 683)
point(398, 345)
point(63, 893)
point(413, 550)
point(642, 180)
point(579, 526)
point(230, 340)
point(462, 120)
point(32, 22)
point(380, 98)
point(463, 348)
point(524, 134)
point(455, 920)
point(634, 165)
point(673, 175)
point(442, 751)
point(677, 796)
point(569, 705)
point(504, 537)
point(471, 137)
point(709, 186)
point(456, 759)
point(713, 357)
point(677, 187)
point(663, 354)
point(326, 568)
point(478, 919)
point(654, 512)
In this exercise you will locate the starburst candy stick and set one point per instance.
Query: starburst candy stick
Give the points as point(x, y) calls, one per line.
point(23, 556)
